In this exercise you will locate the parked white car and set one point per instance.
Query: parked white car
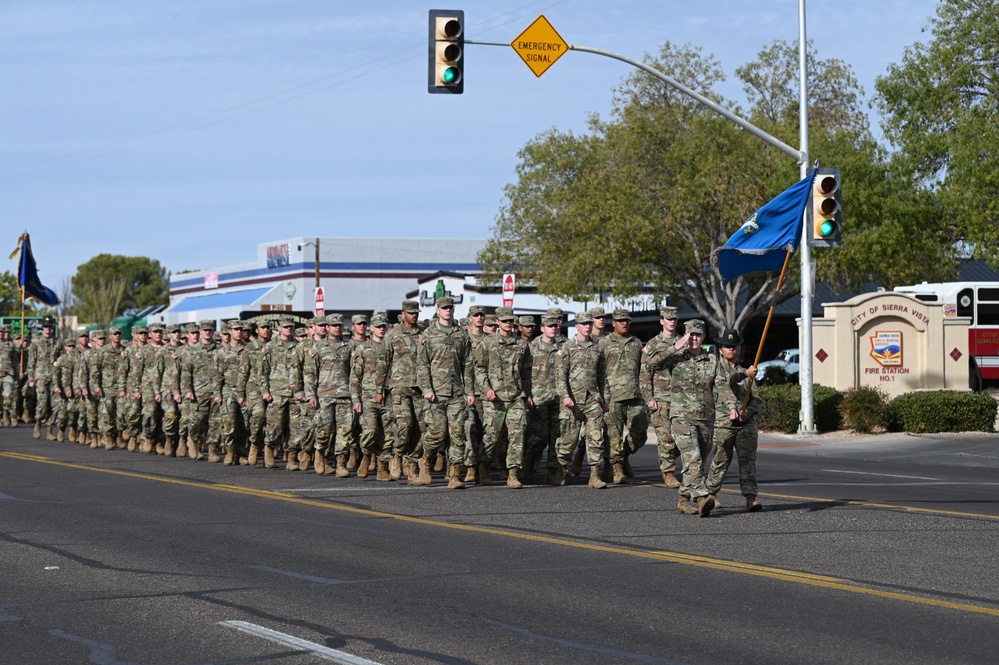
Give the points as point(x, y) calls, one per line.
point(788, 360)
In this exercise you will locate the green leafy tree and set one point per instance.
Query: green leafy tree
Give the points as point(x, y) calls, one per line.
point(645, 198)
point(941, 112)
point(10, 296)
point(108, 284)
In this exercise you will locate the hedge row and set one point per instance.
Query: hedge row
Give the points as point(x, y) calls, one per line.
point(869, 409)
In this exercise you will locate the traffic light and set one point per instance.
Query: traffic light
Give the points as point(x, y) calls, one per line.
point(446, 57)
point(826, 212)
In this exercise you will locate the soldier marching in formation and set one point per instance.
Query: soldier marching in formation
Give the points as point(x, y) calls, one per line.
point(395, 400)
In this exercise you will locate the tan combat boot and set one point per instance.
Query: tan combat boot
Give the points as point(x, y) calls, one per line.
point(485, 475)
point(108, 442)
point(253, 455)
point(268, 457)
point(291, 458)
point(752, 505)
point(511, 478)
point(619, 476)
point(412, 472)
point(230, 457)
point(341, 466)
point(61, 434)
point(382, 471)
point(125, 436)
point(439, 463)
point(685, 507)
point(132, 442)
point(352, 461)
point(367, 461)
point(470, 474)
point(50, 434)
point(395, 467)
point(72, 434)
point(424, 477)
point(304, 460)
point(147, 445)
point(213, 453)
point(454, 481)
point(670, 479)
point(37, 433)
point(193, 449)
point(159, 448)
point(319, 463)
point(169, 445)
point(705, 504)
point(595, 480)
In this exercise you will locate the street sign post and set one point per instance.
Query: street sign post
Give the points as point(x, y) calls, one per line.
point(320, 302)
point(509, 286)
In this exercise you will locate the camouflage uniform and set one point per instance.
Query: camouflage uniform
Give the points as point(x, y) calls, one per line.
point(104, 377)
point(248, 388)
point(623, 355)
point(150, 385)
point(543, 418)
point(8, 380)
point(503, 366)
point(397, 374)
point(226, 379)
point(326, 377)
point(41, 355)
point(85, 404)
point(302, 435)
point(131, 372)
point(278, 367)
point(656, 381)
point(740, 436)
point(580, 376)
point(63, 394)
point(696, 379)
point(198, 379)
point(474, 427)
point(377, 427)
point(169, 359)
point(445, 368)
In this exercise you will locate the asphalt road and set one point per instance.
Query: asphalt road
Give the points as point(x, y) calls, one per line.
point(877, 550)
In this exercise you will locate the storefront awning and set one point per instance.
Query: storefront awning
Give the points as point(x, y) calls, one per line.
point(243, 298)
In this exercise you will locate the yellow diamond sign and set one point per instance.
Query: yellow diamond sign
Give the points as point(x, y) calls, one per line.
point(540, 46)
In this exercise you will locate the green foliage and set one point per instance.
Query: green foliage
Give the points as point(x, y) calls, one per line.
point(10, 296)
point(108, 284)
point(942, 411)
point(941, 111)
point(782, 406)
point(863, 409)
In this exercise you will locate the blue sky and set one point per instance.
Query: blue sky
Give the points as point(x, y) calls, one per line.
point(191, 130)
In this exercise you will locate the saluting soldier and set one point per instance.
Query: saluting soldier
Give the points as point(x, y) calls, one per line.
point(377, 431)
point(445, 374)
point(739, 436)
point(580, 382)
point(656, 380)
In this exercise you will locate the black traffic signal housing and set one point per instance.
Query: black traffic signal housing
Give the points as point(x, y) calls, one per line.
point(825, 214)
point(446, 56)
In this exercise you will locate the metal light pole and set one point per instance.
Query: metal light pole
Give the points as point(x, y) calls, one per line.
point(807, 423)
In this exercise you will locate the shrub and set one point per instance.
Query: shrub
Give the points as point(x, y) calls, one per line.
point(863, 409)
point(941, 411)
point(777, 376)
point(782, 405)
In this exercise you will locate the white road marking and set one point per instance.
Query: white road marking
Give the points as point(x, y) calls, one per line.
point(298, 643)
point(883, 475)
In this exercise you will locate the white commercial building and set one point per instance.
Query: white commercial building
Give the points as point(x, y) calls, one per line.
point(356, 275)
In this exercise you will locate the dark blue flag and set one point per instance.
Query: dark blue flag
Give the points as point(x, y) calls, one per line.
point(763, 241)
point(27, 276)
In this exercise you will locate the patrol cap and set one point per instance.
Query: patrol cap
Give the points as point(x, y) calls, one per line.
point(335, 319)
point(207, 324)
point(694, 326)
point(70, 343)
point(317, 321)
point(667, 312)
point(114, 329)
point(554, 311)
point(598, 313)
point(551, 320)
point(463, 321)
point(379, 320)
point(263, 324)
point(99, 334)
point(286, 323)
point(476, 309)
point(300, 332)
point(445, 301)
point(621, 314)
point(173, 327)
point(48, 322)
point(139, 330)
point(411, 306)
point(83, 333)
point(490, 320)
point(191, 328)
point(729, 337)
point(359, 318)
point(505, 314)
point(155, 327)
point(235, 325)
point(5, 328)
point(526, 321)
point(584, 317)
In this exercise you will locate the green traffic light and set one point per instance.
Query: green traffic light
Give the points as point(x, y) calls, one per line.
point(450, 75)
point(827, 228)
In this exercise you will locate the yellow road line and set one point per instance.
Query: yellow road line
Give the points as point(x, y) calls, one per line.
point(673, 557)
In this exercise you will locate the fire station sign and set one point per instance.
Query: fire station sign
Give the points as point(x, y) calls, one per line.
point(540, 46)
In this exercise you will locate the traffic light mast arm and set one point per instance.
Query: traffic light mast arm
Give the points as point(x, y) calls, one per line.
point(701, 99)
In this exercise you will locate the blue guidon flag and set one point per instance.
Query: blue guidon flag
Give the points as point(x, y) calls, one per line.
point(27, 275)
point(762, 242)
